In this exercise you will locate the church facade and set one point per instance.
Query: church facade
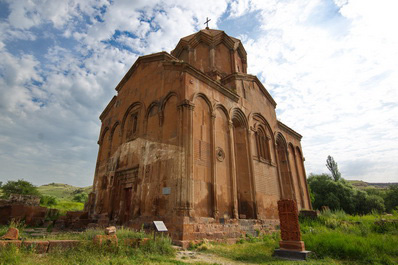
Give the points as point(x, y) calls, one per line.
point(193, 140)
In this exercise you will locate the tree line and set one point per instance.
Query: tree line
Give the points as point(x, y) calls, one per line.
point(338, 194)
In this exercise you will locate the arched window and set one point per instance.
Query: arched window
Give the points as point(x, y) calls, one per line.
point(263, 149)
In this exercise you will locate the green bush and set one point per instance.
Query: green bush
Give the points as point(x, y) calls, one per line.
point(19, 187)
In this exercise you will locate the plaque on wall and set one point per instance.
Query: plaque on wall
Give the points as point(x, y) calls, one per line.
point(166, 190)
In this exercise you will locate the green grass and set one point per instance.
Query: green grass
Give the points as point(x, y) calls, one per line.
point(65, 206)
point(334, 237)
point(159, 252)
point(153, 252)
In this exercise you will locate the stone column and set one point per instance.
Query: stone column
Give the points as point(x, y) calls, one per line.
point(213, 164)
point(278, 169)
point(187, 199)
point(233, 169)
point(251, 171)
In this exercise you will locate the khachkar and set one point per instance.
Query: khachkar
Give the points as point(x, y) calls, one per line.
point(192, 139)
point(291, 245)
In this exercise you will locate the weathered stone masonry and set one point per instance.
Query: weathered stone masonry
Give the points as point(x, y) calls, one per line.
point(193, 140)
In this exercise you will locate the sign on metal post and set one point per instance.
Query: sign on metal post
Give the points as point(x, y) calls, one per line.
point(159, 227)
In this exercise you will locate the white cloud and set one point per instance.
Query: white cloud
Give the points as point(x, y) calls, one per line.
point(330, 70)
point(337, 87)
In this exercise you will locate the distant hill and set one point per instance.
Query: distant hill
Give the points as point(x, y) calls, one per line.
point(366, 185)
point(62, 191)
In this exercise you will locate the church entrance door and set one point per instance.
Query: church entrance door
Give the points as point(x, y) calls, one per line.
point(127, 203)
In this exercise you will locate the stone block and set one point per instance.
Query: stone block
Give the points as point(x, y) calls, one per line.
point(108, 240)
point(110, 230)
point(40, 247)
point(135, 242)
point(12, 234)
point(291, 254)
point(292, 245)
point(6, 243)
point(55, 245)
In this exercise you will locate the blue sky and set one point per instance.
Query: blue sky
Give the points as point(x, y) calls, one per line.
point(330, 65)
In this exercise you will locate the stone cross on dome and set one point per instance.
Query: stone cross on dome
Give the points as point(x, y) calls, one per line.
point(207, 22)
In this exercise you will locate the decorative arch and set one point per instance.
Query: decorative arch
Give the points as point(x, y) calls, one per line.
point(135, 105)
point(239, 116)
point(167, 97)
point(205, 98)
point(202, 157)
point(264, 137)
point(115, 138)
point(283, 166)
point(244, 177)
point(154, 104)
point(132, 121)
point(295, 176)
point(302, 176)
point(222, 108)
point(152, 121)
point(103, 135)
point(170, 118)
point(104, 145)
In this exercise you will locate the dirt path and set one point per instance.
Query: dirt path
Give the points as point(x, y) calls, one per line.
point(201, 257)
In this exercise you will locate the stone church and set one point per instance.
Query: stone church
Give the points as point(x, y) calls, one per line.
point(193, 140)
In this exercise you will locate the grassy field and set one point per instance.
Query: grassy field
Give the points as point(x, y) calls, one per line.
point(62, 191)
point(334, 237)
point(64, 194)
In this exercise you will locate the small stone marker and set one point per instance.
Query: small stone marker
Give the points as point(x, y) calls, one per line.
point(110, 230)
point(291, 246)
point(12, 234)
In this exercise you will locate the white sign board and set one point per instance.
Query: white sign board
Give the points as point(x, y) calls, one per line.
point(160, 226)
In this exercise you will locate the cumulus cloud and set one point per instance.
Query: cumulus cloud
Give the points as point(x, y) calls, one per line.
point(329, 65)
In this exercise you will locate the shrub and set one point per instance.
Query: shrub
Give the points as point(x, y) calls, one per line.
point(19, 187)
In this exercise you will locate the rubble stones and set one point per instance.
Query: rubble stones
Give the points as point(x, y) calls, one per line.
point(110, 230)
point(12, 234)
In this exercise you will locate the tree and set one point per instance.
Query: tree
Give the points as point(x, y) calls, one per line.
point(19, 187)
point(80, 197)
point(391, 199)
point(334, 169)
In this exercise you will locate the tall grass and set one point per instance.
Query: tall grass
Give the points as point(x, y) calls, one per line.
point(363, 239)
point(153, 252)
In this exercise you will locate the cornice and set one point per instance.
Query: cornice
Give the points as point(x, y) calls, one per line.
point(203, 36)
point(160, 56)
point(107, 108)
point(186, 67)
point(289, 130)
point(248, 77)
